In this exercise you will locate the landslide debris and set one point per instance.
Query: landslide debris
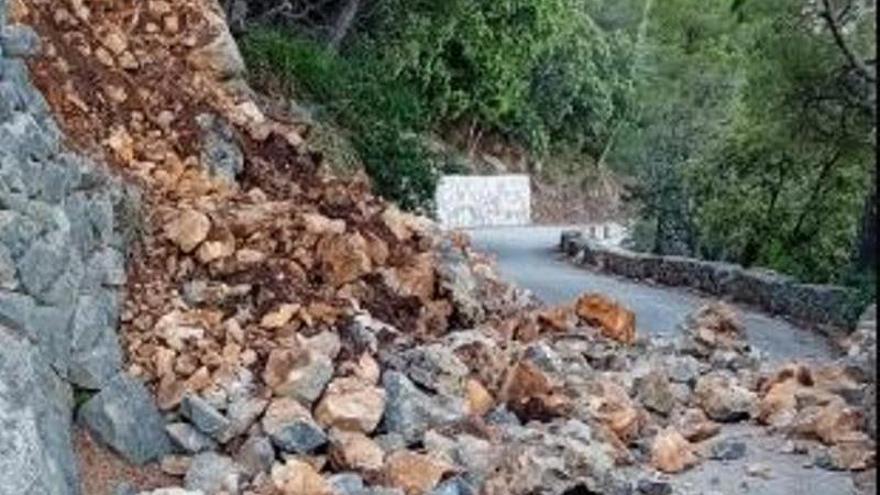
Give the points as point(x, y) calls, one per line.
point(301, 336)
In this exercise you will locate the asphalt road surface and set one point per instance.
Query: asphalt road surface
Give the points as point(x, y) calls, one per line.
point(529, 257)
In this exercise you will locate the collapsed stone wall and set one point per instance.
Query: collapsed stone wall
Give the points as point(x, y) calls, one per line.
point(62, 269)
point(827, 307)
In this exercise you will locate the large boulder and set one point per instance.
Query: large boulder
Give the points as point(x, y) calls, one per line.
point(124, 416)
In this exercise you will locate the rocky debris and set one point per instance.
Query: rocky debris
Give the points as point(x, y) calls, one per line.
point(299, 478)
point(124, 416)
point(189, 439)
point(410, 412)
point(616, 322)
point(210, 472)
point(288, 310)
point(727, 450)
point(414, 473)
point(723, 399)
point(351, 404)
point(714, 327)
point(671, 452)
point(291, 427)
point(355, 451)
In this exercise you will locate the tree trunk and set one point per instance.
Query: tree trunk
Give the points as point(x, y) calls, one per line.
point(344, 22)
point(866, 253)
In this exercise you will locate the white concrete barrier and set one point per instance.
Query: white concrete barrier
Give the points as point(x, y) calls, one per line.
point(483, 201)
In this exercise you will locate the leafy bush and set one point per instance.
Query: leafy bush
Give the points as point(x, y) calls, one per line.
point(377, 111)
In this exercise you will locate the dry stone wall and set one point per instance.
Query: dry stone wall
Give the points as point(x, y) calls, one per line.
point(62, 269)
point(826, 307)
point(483, 201)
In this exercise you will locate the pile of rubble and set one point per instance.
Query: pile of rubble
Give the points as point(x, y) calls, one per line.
point(302, 337)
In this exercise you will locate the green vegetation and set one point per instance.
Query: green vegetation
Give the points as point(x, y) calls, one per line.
point(747, 126)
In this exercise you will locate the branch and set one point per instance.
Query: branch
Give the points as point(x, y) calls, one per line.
point(841, 43)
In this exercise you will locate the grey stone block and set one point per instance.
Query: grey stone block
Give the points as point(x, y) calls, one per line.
point(18, 40)
point(124, 416)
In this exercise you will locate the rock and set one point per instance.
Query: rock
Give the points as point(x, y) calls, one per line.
point(351, 404)
point(695, 426)
point(299, 374)
point(727, 450)
point(175, 465)
point(671, 453)
point(849, 456)
point(299, 478)
point(615, 321)
point(415, 473)
point(172, 491)
point(220, 152)
point(243, 412)
point(280, 317)
point(348, 484)
point(683, 369)
point(479, 400)
point(124, 416)
point(532, 394)
point(712, 327)
point(410, 412)
point(459, 282)
point(213, 473)
point(436, 368)
point(655, 393)
point(611, 405)
point(759, 471)
point(256, 455)
point(653, 487)
point(291, 427)
point(355, 451)
point(18, 40)
point(36, 450)
point(723, 399)
point(188, 230)
point(189, 439)
point(343, 258)
point(220, 244)
point(206, 418)
point(455, 486)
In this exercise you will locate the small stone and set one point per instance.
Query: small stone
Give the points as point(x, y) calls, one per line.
point(655, 393)
point(654, 487)
point(415, 473)
point(291, 427)
point(299, 478)
point(723, 399)
point(695, 426)
point(350, 404)
point(210, 472)
point(671, 453)
point(615, 321)
point(759, 471)
point(189, 439)
point(175, 465)
point(355, 451)
point(188, 230)
point(347, 484)
point(479, 399)
point(727, 450)
point(206, 418)
point(256, 455)
point(280, 316)
point(299, 374)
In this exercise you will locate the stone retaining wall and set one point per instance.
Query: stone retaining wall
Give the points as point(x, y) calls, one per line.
point(826, 307)
point(61, 274)
point(483, 201)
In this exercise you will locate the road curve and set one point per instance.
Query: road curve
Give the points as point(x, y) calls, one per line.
point(529, 257)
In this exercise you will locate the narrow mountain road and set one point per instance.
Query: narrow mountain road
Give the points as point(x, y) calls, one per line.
point(529, 257)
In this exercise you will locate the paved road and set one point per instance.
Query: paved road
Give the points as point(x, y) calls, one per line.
point(528, 256)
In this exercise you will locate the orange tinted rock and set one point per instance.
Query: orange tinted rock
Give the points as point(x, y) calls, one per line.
point(531, 394)
point(610, 404)
point(355, 451)
point(671, 453)
point(351, 404)
point(344, 258)
point(479, 399)
point(615, 321)
point(188, 230)
point(415, 474)
point(299, 478)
